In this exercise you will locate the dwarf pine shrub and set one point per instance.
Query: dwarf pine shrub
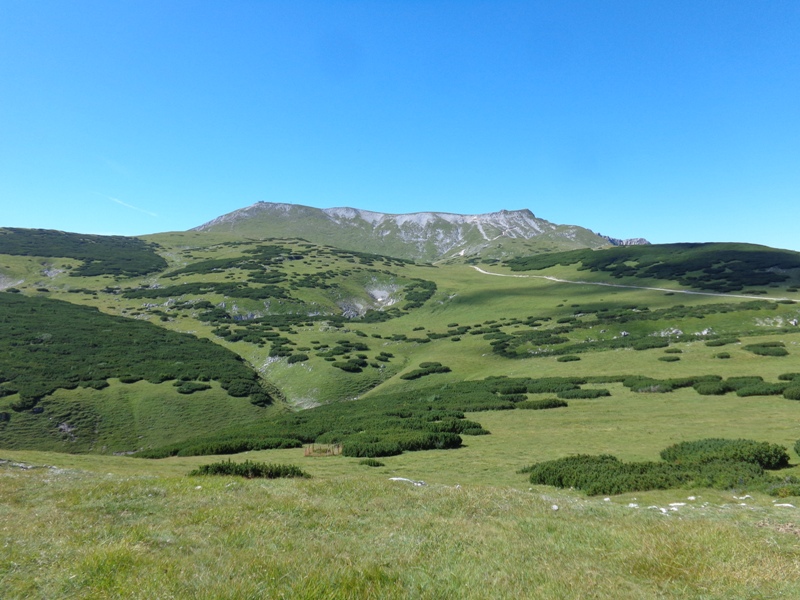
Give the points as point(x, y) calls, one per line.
point(606, 474)
point(190, 387)
point(711, 388)
point(249, 470)
point(542, 404)
point(583, 394)
point(568, 358)
point(762, 389)
point(763, 454)
point(768, 349)
point(792, 392)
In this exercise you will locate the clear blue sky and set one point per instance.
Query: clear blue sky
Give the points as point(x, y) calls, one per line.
point(670, 120)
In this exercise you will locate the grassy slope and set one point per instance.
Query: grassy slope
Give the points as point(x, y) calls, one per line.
point(464, 296)
point(104, 526)
point(124, 527)
point(125, 418)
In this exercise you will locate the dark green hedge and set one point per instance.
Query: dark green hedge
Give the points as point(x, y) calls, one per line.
point(249, 470)
point(764, 454)
point(542, 404)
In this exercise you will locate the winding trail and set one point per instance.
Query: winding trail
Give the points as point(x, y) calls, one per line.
point(632, 287)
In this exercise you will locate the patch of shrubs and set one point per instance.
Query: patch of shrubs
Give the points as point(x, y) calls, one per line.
point(669, 358)
point(711, 388)
point(398, 443)
point(190, 387)
point(768, 349)
point(371, 462)
point(542, 404)
point(762, 389)
point(719, 464)
point(101, 254)
point(719, 267)
point(104, 347)
point(650, 342)
point(763, 454)
point(296, 358)
point(568, 358)
point(553, 385)
point(250, 470)
point(426, 368)
point(721, 342)
point(639, 383)
point(582, 394)
point(792, 392)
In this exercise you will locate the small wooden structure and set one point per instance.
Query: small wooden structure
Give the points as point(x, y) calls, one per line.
point(322, 449)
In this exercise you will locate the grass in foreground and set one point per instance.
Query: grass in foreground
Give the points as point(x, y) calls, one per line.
point(81, 534)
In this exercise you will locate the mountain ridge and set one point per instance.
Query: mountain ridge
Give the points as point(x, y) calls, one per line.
point(430, 235)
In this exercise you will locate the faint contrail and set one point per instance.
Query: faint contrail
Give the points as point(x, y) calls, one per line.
point(126, 205)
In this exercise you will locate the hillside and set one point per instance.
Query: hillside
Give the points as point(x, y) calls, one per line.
point(446, 415)
point(316, 325)
point(426, 236)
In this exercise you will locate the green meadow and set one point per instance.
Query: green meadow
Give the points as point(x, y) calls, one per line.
point(429, 372)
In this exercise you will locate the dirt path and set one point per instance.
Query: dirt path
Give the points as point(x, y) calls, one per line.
point(631, 287)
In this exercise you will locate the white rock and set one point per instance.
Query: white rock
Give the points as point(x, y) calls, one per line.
point(554, 507)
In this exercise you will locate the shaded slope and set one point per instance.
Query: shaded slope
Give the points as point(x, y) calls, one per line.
point(47, 345)
point(717, 267)
point(100, 254)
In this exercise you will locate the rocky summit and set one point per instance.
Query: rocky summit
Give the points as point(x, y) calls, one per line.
point(428, 236)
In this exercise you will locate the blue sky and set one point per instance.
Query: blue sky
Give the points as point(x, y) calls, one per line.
point(670, 120)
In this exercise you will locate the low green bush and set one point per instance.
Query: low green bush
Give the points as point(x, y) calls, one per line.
point(568, 358)
point(792, 392)
point(670, 358)
point(736, 383)
point(768, 349)
point(721, 342)
point(762, 389)
point(190, 387)
point(371, 462)
point(722, 355)
point(583, 394)
point(426, 368)
point(649, 343)
point(296, 358)
point(764, 454)
point(249, 470)
point(542, 404)
point(711, 388)
point(606, 474)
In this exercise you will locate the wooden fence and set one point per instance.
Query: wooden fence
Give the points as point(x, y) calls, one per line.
point(322, 449)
